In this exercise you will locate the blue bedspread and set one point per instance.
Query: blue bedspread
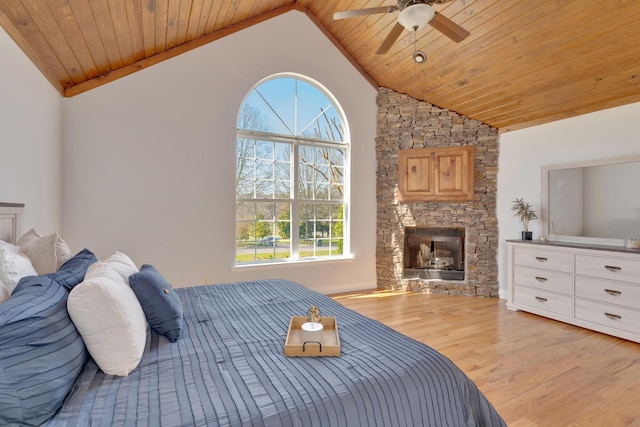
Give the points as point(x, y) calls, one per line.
point(229, 369)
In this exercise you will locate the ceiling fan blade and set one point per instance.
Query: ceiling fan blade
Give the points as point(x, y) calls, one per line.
point(391, 39)
point(362, 12)
point(449, 28)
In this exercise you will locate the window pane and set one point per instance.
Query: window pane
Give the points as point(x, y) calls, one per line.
point(264, 169)
point(264, 189)
point(245, 211)
point(319, 118)
point(264, 150)
point(322, 174)
point(321, 192)
point(335, 192)
point(283, 151)
point(336, 157)
point(282, 172)
point(322, 156)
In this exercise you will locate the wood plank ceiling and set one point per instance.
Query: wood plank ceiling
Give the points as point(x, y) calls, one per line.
point(526, 62)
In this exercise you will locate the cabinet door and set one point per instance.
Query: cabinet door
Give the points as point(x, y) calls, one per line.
point(418, 173)
point(454, 173)
point(435, 174)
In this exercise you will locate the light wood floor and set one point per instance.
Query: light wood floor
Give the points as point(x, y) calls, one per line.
point(535, 371)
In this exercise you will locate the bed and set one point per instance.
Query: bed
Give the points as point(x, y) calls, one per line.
point(228, 367)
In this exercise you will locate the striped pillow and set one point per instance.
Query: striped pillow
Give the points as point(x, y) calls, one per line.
point(41, 352)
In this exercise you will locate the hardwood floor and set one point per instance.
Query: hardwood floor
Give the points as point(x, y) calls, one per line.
point(535, 371)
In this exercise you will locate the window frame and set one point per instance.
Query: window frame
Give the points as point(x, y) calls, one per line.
point(295, 142)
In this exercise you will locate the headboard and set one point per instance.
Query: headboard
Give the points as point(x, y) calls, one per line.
point(9, 214)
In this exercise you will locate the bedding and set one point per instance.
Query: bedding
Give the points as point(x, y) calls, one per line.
point(228, 369)
point(41, 352)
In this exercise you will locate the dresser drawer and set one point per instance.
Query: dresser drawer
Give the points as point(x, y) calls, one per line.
point(608, 291)
point(627, 270)
point(621, 318)
point(540, 258)
point(544, 279)
point(549, 301)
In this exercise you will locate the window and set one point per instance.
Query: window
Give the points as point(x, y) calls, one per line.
point(292, 159)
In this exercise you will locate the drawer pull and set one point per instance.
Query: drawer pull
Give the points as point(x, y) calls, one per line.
point(613, 292)
point(612, 268)
point(541, 259)
point(613, 316)
point(541, 279)
point(540, 299)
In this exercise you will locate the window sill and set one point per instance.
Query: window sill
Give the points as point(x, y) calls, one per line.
point(280, 264)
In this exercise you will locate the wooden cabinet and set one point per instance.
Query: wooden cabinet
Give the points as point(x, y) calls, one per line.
point(596, 288)
point(436, 174)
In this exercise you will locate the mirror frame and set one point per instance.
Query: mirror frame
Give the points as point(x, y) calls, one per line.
point(544, 205)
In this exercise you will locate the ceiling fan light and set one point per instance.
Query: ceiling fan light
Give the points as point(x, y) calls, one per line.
point(416, 16)
point(419, 56)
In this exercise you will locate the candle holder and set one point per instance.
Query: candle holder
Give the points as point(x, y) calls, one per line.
point(312, 335)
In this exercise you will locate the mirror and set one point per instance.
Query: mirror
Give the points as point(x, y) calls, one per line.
point(596, 202)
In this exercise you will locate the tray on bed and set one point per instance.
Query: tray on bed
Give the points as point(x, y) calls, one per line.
point(293, 345)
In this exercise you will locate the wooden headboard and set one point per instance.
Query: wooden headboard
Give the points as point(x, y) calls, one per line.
point(9, 214)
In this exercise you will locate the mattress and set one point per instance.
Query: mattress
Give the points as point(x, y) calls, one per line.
point(229, 369)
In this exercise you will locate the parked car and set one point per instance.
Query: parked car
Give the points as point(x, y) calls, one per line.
point(268, 241)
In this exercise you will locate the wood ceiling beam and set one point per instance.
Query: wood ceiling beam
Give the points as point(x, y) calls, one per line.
point(171, 53)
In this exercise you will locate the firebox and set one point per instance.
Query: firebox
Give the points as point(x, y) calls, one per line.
point(434, 253)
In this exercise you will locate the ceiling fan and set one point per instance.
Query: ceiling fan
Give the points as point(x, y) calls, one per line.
point(414, 14)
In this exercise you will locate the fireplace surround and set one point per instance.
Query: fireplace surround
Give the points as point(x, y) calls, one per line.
point(405, 123)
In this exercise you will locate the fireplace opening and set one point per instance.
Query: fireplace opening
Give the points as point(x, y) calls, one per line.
point(434, 253)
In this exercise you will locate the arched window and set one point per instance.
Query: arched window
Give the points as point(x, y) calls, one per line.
point(292, 167)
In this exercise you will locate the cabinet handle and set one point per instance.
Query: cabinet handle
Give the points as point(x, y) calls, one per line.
point(613, 292)
point(613, 316)
point(540, 299)
point(541, 259)
point(541, 279)
point(612, 268)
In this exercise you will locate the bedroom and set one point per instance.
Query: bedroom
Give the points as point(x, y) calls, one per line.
point(161, 192)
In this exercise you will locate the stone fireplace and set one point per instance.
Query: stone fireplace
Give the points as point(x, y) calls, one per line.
point(405, 123)
point(433, 253)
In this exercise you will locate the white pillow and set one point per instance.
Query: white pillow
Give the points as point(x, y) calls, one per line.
point(47, 253)
point(14, 265)
point(110, 320)
point(4, 293)
point(120, 263)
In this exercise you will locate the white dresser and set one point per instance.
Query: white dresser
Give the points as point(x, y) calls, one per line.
point(595, 287)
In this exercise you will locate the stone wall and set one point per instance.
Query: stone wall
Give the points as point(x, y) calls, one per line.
point(404, 123)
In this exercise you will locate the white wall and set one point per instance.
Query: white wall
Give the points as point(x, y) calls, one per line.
point(149, 160)
point(606, 134)
point(30, 140)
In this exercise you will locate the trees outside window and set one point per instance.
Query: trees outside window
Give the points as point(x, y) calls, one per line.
point(292, 159)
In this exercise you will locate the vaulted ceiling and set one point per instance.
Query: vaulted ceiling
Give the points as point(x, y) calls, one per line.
point(525, 62)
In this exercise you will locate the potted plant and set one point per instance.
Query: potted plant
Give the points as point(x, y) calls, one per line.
point(525, 212)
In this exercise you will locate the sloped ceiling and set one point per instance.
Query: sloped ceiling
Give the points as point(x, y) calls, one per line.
point(526, 62)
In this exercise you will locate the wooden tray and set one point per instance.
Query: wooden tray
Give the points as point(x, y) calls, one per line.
point(293, 345)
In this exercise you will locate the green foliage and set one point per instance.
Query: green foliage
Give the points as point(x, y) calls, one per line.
point(284, 225)
point(524, 211)
point(338, 229)
point(263, 229)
